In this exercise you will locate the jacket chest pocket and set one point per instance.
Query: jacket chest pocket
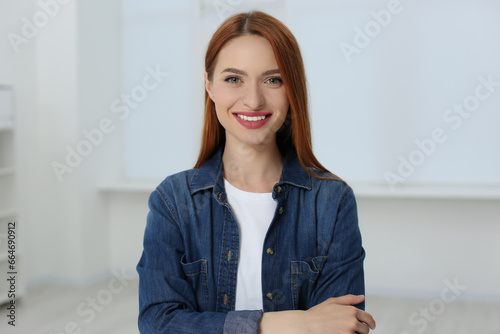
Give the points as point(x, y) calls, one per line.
point(196, 273)
point(304, 278)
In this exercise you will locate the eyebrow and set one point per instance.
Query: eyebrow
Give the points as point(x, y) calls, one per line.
point(236, 71)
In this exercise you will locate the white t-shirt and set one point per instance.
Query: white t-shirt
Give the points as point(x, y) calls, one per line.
point(254, 213)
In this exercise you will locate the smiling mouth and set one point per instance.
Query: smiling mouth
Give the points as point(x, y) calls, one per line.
point(252, 118)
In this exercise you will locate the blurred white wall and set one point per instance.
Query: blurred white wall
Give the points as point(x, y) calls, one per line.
point(65, 74)
point(67, 77)
point(414, 244)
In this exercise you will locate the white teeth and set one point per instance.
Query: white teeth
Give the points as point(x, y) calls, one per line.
point(251, 119)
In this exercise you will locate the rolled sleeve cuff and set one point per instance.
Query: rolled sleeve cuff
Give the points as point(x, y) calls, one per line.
point(242, 322)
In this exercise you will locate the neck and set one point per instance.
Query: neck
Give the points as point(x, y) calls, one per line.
point(252, 168)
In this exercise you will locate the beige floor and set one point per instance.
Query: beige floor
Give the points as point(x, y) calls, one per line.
point(96, 310)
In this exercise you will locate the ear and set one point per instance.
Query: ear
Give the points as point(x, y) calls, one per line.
point(208, 87)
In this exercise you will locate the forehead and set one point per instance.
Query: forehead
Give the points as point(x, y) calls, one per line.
point(247, 52)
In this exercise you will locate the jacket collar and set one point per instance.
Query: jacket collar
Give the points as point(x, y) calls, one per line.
point(210, 173)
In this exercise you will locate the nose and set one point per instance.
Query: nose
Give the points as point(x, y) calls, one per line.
point(253, 97)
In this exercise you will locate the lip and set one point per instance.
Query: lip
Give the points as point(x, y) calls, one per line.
point(252, 124)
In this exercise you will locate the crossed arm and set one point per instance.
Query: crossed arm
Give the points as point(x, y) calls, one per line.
point(335, 315)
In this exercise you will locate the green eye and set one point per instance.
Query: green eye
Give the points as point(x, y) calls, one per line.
point(275, 81)
point(233, 80)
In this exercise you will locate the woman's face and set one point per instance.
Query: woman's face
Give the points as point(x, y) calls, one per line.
point(248, 92)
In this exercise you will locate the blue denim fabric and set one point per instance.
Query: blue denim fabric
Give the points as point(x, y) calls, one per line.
point(188, 269)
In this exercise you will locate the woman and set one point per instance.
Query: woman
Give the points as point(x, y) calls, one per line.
point(259, 237)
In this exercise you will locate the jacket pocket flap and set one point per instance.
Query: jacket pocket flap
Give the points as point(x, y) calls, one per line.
point(193, 268)
point(315, 265)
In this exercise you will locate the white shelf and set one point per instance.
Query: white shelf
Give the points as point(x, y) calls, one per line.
point(129, 187)
point(361, 190)
point(8, 213)
point(459, 192)
point(4, 128)
point(7, 171)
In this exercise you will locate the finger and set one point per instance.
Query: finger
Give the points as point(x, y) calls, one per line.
point(348, 299)
point(366, 318)
point(362, 328)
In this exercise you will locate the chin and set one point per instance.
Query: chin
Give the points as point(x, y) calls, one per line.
point(260, 142)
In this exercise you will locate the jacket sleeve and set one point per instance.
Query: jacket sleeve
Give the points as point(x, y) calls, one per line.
point(167, 302)
point(342, 272)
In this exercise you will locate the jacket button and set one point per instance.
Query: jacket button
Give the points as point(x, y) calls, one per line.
point(270, 296)
point(270, 251)
point(281, 210)
point(278, 189)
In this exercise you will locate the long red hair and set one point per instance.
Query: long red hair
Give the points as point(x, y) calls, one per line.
point(296, 131)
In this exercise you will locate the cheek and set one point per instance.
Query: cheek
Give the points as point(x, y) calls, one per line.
point(223, 95)
point(280, 106)
point(281, 101)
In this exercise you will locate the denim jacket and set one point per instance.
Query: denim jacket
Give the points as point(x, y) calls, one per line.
point(188, 269)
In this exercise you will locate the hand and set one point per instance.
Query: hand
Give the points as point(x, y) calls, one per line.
point(339, 316)
point(333, 316)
